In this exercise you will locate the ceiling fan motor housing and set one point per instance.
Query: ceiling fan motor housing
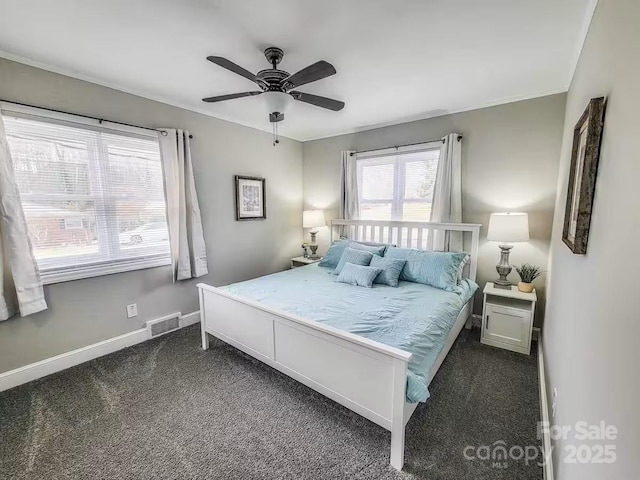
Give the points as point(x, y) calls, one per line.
point(273, 79)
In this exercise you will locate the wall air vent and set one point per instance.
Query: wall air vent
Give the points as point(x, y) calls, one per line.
point(163, 325)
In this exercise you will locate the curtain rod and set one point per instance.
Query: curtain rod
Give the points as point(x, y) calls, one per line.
point(400, 146)
point(163, 132)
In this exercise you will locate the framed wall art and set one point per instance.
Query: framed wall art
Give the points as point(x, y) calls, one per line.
point(585, 154)
point(251, 202)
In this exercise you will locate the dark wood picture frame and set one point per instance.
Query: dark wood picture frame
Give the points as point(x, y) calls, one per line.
point(262, 196)
point(585, 154)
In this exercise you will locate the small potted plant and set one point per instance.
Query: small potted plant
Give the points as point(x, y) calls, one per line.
point(528, 273)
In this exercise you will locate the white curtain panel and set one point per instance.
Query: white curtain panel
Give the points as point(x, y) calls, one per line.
point(20, 285)
point(188, 250)
point(446, 206)
point(349, 199)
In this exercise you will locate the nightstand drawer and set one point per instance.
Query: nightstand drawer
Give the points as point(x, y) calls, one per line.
point(508, 326)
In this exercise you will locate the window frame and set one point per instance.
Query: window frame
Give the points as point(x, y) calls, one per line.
point(90, 265)
point(380, 157)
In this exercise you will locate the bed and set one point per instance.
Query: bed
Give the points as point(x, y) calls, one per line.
point(374, 351)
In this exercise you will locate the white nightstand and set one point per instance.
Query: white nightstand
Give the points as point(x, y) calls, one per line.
point(507, 318)
point(302, 261)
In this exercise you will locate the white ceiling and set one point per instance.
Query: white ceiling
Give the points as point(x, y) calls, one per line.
point(396, 60)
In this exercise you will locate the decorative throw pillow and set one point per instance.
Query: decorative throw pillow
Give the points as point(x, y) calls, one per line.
point(391, 270)
point(350, 255)
point(438, 269)
point(359, 275)
point(333, 255)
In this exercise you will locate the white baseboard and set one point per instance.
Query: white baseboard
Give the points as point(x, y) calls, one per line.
point(544, 412)
point(190, 319)
point(45, 367)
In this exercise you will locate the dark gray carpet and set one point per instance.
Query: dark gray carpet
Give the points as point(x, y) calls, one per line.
point(167, 410)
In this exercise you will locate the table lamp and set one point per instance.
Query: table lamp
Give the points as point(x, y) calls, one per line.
point(507, 228)
point(313, 219)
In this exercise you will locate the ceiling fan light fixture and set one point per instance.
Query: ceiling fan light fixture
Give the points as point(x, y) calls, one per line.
point(276, 102)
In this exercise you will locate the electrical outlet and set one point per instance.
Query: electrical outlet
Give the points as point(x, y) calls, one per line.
point(132, 310)
point(554, 402)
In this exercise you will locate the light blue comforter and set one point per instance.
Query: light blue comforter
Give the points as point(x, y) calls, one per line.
point(413, 317)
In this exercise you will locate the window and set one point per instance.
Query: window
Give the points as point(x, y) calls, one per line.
point(73, 223)
point(93, 197)
point(398, 185)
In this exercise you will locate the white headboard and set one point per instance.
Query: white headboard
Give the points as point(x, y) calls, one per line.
point(407, 234)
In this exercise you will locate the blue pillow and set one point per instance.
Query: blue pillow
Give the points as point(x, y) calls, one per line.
point(438, 269)
point(391, 270)
point(375, 249)
point(350, 255)
point(333, 255)
point(359, 275)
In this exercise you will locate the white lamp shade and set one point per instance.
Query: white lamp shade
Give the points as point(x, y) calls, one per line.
point(313, 219)
point(508, 227)
point(276, 101)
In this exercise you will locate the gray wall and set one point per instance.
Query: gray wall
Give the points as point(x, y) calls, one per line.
point(86, 311)
point(591, 353)
point(509, 162)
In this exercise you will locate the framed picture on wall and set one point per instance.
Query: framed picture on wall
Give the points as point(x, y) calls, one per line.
point(587, 136)
point(251, 201)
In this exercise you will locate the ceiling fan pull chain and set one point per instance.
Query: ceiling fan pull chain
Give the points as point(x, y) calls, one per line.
point(274, 127)
point(276, 140)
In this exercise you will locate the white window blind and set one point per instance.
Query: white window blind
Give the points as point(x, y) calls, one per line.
point(93, 197)
point(397, 185)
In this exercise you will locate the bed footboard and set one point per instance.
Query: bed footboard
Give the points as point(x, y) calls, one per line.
point(367, 377)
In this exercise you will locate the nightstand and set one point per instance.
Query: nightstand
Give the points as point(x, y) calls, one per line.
point(302, 261)
point(507, 318)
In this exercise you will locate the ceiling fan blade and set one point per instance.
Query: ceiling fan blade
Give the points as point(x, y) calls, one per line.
point(317, 71)
point(229, 65)
point(231, 96)
point(318, 101)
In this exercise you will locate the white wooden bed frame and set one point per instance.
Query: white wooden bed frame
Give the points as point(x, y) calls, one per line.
point(365, 376)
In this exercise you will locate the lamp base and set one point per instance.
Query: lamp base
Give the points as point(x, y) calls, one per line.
point(503, 268)
point(313, 246)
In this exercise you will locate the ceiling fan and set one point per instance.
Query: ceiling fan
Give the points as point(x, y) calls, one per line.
point(279, 85)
